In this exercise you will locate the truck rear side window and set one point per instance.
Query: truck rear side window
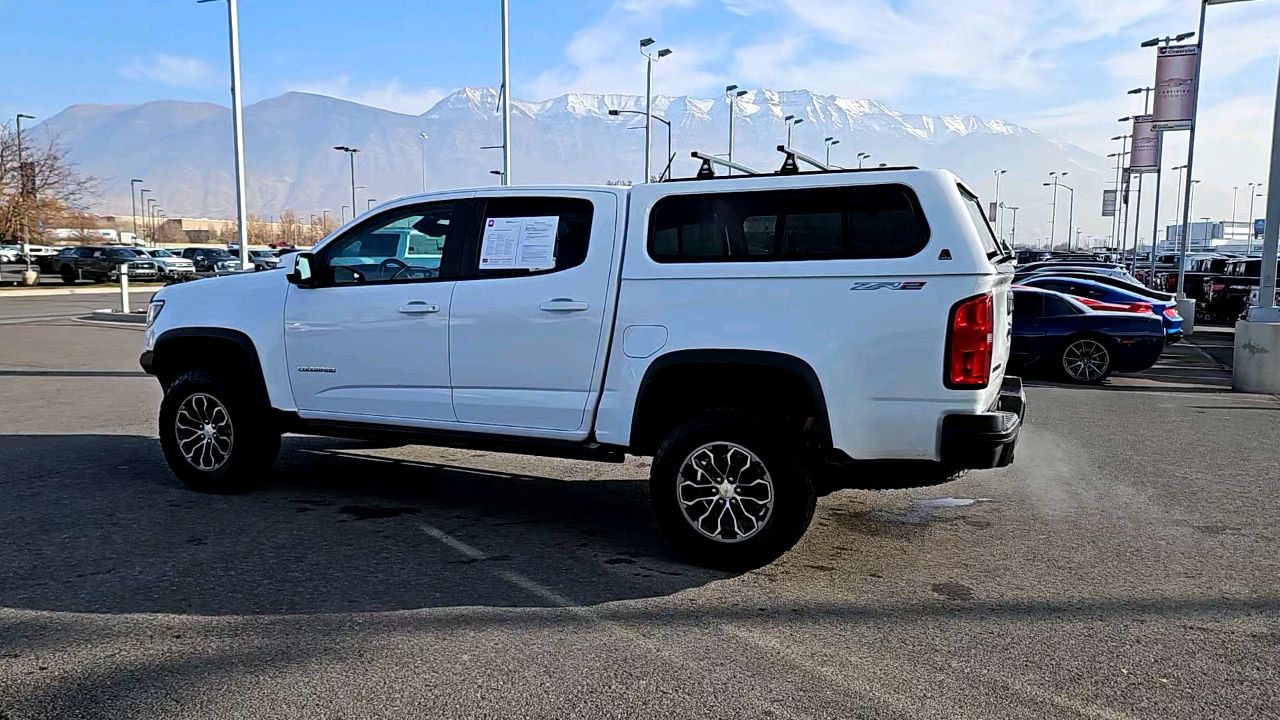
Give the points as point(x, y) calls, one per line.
point(879, 221)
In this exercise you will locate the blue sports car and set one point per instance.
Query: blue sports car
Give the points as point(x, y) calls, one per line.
point(1102, 292)
point(1056, 333)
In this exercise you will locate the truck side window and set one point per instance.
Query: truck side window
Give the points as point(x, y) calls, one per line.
point(400, 245)
point(522, 236)
point(869, 221)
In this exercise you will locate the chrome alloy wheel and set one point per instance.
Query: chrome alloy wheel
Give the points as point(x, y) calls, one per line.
point(1086, 360)
point(203, 429)
point(725, 492)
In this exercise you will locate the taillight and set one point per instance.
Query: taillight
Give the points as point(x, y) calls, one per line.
point(970, 342)
point(1171, 313)
point(1141, 307)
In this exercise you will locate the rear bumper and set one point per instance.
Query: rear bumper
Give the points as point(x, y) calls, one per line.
point(980, 441)
point(1172, 337)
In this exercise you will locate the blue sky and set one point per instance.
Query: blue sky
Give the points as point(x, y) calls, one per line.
point(1057, 66)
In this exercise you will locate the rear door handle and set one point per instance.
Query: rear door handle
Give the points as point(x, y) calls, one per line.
point(560, 304)
point(417, 307)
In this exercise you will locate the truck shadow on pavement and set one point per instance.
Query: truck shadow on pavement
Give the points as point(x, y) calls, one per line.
point(97, 523)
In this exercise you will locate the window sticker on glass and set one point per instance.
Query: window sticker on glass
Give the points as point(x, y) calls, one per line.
point(521, 243)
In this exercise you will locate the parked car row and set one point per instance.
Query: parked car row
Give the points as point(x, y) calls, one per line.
point(1084, 319)
point(103, 263)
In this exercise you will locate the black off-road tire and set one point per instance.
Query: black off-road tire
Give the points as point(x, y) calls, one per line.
point(250, 440)
point(68, 275)
point(777, 452)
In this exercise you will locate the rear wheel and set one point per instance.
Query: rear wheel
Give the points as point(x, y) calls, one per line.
point(730, 491)
point(1088, 360)
point(216, 438)
point(68, 275)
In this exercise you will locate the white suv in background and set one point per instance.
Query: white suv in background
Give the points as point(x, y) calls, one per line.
point(171, 266)
point(765, 338)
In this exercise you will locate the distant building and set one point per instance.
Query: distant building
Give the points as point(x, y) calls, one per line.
point(1207, 235)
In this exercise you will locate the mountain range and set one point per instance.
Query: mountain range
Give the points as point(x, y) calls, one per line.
point(183, 149)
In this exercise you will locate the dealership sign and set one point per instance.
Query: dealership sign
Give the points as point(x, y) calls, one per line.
point(1145, 154)
point(1108, 203)
point(1175, 100)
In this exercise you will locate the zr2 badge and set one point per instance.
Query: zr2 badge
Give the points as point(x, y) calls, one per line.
point(882, 285)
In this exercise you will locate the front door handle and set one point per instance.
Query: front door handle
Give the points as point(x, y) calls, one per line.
point(563, 305)
point(417, 307)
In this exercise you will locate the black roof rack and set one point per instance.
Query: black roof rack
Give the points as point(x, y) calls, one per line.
point(790, 166)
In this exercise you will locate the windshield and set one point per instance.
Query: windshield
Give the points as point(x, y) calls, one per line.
point(218, 254)
point(260, 253)
point(160, 253)
point(990, 243)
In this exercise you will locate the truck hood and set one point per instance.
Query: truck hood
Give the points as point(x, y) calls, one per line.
point(222, 290)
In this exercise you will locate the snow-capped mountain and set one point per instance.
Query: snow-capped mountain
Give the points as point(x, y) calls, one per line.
point(183, 149)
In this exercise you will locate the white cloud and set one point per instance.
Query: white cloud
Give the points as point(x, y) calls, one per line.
point(174, 70)
point(393, 95)
point(604, 57)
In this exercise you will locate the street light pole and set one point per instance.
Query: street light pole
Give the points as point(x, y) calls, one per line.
point(732, 93)
point(351, 153)
point(422, 138)
point(1053, 212)
point(1271, 232)
point(237, 131)
point(791, 121)
point(1013, 236)
point(505, 98)
point(830, 142)
point(134, 206)
point(1252, 197)
point(999, 215)
point(22, 218)
point(648, 105)
point(666, 172)
point(862, 156)
point(343, 213)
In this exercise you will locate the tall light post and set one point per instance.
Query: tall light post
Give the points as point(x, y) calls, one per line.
point(146, 230)
point(1053, 213)
point(1252, 196)
point(22, 182)
point(1177, 205)
point(650, 59)
point(1191, 143)
point(830, 142)
point(1124, 151)
point(1235, 193)
point(1013, 236)
point(999, 215)
point(666, 172)
point(791, 121)
point(237, 131)
point(1191, 201)
point(370, 202)
point(343, 212)
point(422, 140)
point(863, 156)
point(324, 221)
point(505, 96)
point(351, 153)
point(732, 93)
point(134, 206)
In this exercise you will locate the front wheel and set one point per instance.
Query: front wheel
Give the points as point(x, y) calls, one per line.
point(730, 491)
point(216, 438)
point(68, 275)
point(1087, 360)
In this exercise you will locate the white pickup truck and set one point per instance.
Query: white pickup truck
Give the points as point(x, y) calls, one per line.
point(767, 339)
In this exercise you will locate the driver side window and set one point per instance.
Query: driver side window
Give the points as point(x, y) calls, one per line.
point(402, 245)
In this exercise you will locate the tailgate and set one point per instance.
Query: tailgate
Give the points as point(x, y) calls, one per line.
point(1002, 322)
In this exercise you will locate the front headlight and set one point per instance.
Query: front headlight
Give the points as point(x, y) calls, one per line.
point(153, 311)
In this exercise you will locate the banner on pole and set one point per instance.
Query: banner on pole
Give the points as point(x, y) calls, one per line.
point(1175, 99)
point(1124, 187)
point(1259, 226)
point(991, 212)
point(1145, 154)
point(1108, 203)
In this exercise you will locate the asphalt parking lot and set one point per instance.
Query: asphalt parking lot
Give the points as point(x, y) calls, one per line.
point(1126, 566)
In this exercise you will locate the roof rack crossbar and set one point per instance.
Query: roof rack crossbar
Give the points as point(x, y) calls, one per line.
point(789, 166)
point(710, 161)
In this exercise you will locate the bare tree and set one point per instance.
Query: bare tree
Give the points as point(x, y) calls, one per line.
point(46, 187)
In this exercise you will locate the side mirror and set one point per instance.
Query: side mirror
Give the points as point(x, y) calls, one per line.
point(301, 274)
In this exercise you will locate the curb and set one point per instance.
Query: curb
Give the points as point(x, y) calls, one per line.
point(115, 316)
point(36, 292)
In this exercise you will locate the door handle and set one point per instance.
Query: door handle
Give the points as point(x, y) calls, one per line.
point(417, 307)
point(563, 305)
